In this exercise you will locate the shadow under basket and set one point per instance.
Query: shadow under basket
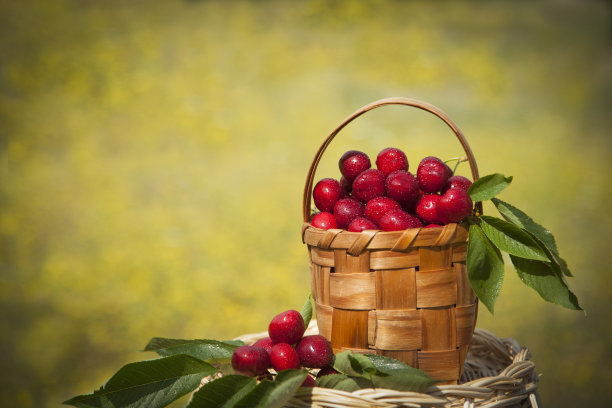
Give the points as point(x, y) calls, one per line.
point(403, 294)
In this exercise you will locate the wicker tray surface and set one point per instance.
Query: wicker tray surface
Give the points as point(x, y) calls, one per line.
point(498, 372)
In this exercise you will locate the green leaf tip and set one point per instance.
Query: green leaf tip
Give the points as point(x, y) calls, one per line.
point(488, 186)
point(485, 267)
point(306, 311)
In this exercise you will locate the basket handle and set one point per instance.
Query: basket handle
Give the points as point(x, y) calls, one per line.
point(307, 197)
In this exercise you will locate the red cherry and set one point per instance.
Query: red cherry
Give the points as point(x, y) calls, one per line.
point(346, 210)
point(403, 187)
point(361, 224)
point(309, 381)
point(353, 163)
point(315, 351)
point(368, 185)
point(287, 327)
point(427, 209)
point(266, 343)
point(432, 226)
point(460, 182)
point(346, 185)
point(390, 160)
point(432, 174)
point(377, 207)
point(327, 371)
point(250, 360)
point(326, 193)
point(324, 220)
point(284, 357)
point(397, 220)
point(454, 205)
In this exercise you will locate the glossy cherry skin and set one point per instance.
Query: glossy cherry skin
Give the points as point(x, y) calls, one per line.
point(368, 185)
point(403, 187)
point(353, 163)
point(390, 160)
point(284, 357)
point(377, 207)
point(327, 371)
point(309, 381)
point(346, 210)
point(460, 182)
point(346, 185)
point(427, 209)
point(265, 343)
point(432, 174)
point(397, 220)
point(326, 193)
point(315, 351)
point(250, 360)
point(454, 205)
point(287, 327)
point(324, 220)
point(361, 224)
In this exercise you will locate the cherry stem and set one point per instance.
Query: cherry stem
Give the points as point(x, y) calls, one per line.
point(458, 160)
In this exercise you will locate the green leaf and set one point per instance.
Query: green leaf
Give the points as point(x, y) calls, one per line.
point(274, 394)
point(200, 349)
point(342, 363)
point(343, 382)
point(403, 380)
point(549, 284)
point(512, 239)
point(485, 267)
point(306, 311)
point(488, 186)
point(543, 235)
point(223, 392)
point(363, 365)
point(388, 364)
point(150, 384)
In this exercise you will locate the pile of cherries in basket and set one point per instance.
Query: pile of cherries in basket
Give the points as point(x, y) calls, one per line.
point(390, 198)
point(285, 348)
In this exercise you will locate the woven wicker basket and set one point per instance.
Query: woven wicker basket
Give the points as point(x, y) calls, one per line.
point(402, 294)
point(497, 373)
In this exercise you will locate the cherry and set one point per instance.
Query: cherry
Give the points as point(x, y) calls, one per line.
point(361, 224)
point(346, 210)
point(377, 207)
point(250, 360)
point(326, 193)
point(315, 351)
point(427, 209)
point(309, 381)
point(287, 327)
point(368, 185)
point(403, 187)
point(324, 220)
point(284, 357)
point(432, 226)
point(327, 371)
point(397, 220)
point(265, 343)
point(460, 182)
point(346, 185)
point(432, 174)
point(454, 205)
point(390, 160)
point(353, 163)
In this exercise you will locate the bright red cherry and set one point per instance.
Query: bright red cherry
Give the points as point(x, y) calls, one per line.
point(427, 209)
point(309, 381)
point(324, 220)
point(353, 163)
point(284, 357)
point(326, 193)
point(346, 210)
point(265, 343)
point(454, 205)
point(390, 160)
point(377, 207)
point(250, 360)
point(287, 327)
point(432, 226)
point(403, 187)
point(346, 185)
point(368, 185)
point(315, 351)
point(361, 224)
point(460, 182)
point(432, 174)
point(397, 220)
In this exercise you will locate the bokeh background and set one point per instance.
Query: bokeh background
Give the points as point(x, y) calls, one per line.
point(153, 156)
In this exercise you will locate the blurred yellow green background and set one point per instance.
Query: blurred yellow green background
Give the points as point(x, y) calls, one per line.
point(153, 156)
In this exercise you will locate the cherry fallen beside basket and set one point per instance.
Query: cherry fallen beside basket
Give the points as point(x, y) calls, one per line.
point(403, 294)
